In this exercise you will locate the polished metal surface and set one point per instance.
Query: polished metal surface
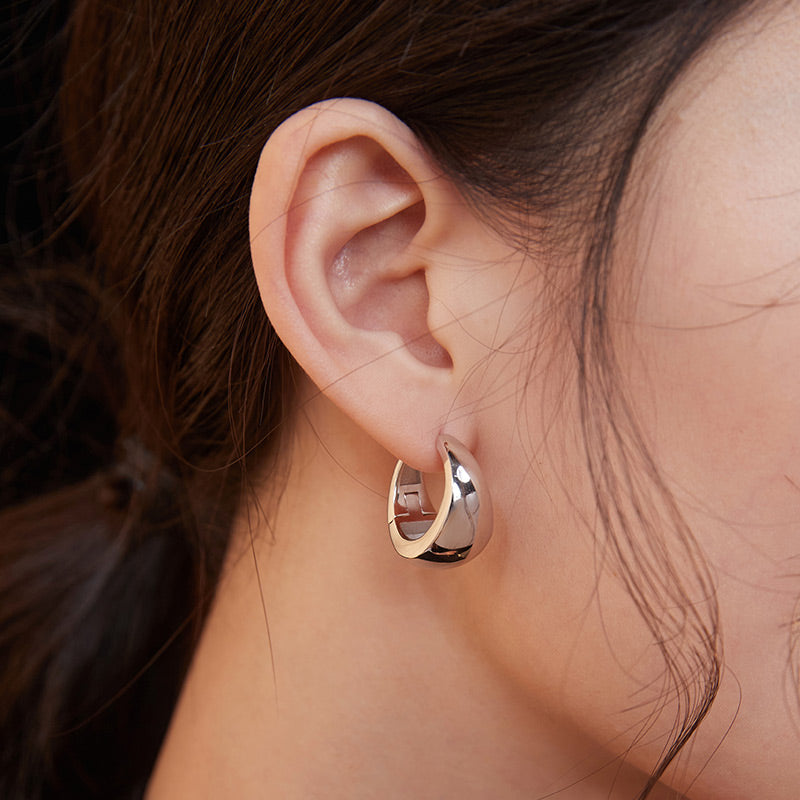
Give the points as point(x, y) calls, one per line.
point(462, 525)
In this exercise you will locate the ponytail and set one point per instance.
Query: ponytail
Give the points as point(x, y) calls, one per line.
point(98, 578)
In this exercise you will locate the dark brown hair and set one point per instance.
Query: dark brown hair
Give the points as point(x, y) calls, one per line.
point(140, 377)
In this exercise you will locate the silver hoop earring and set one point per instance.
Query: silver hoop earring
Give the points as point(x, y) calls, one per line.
point(462, 525)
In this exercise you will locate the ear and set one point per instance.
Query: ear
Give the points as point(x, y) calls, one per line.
point(365, 256)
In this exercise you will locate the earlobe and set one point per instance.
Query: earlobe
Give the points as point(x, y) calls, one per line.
point(351, 229)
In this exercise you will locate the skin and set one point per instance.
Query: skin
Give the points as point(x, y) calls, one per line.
point(330, 667)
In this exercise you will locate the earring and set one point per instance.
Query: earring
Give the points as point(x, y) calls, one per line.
point(462, 525)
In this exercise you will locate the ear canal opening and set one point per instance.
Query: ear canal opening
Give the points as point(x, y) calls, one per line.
point(375, 289)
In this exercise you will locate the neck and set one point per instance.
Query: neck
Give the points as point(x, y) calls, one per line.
point(331, 667)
